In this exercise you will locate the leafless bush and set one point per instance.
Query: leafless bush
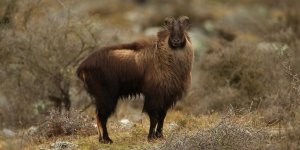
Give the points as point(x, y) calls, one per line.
point(236, 74)
point(225, 135)
point(262, 75)
point(58, 124)
point(287, 98)
point(290, 110)
point(284, 111)
point(38, 58)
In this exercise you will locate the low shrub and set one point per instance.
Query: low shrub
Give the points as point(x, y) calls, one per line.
point(58, 124)
point(225, 135)
point(240, 75)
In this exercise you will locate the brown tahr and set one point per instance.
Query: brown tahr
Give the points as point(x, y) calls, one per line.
point(159, 68)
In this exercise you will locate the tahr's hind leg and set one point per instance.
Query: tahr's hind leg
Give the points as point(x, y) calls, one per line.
point(101, 123)
point(106, 101)
point(105, 107)
point(99, 127)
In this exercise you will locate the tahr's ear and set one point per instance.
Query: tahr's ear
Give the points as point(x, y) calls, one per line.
point(169, 22)
point(185, 22)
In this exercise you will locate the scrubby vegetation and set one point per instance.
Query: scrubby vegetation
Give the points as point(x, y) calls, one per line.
point(238, 75)
point(225, 135)
point(245, 87)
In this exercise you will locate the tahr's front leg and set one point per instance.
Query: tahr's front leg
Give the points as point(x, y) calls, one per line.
point(161, 118)
point(153, 122)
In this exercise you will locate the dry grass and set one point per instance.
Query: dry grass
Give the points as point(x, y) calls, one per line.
point(78, 131)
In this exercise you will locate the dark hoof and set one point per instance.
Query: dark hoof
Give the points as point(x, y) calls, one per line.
point(159, 135)
point(151, 137)
point(105, 140)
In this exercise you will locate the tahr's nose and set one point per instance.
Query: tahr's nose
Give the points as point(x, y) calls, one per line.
point(175, 40)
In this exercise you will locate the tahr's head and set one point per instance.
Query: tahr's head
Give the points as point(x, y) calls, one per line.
point(177, 27)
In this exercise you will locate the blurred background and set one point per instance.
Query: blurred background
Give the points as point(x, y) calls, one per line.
point(246, 65)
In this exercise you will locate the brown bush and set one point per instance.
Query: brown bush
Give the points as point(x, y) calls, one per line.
point(236, 74)
point(38, 56)
point(261, 75)
point(58, 124)
point(225, 135)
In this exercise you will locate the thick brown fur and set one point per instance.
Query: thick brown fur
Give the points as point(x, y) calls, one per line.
point(162, 73)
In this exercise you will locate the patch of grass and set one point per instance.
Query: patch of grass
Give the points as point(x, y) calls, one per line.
point(136, 136)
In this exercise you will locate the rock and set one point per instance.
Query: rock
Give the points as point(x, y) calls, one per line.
point(32, 130)
point(269, 46)
point(63, 145)
point(125, 123)
point(95, 125)
point(244, 19)
point(152, 31)
point(3, 100)
point(199, 40)
point(209, 26)
point(173, 126)
point(8, 133)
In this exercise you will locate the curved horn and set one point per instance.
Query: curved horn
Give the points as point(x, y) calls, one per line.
point(169, 21)
point(185, 21)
